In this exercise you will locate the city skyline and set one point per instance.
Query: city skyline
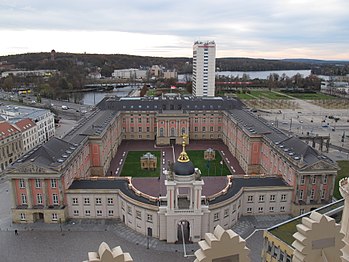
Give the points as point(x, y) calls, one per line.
point(269, 29)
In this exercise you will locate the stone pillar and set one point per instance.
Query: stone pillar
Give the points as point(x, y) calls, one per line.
point(29, 193)
point(44, 192)
point(14, 193)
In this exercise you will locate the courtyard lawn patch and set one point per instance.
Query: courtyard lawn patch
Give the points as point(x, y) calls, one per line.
point(215, 168)
point(132, 165)
point(343, 172)
point(258, 94)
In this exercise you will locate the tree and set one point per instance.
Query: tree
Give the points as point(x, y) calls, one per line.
point(9, 83)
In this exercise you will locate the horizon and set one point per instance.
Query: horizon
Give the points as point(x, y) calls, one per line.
point(228, 57)
point(162, 28)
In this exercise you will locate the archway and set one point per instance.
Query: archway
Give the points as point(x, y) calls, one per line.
point(38, 217)
point(183, 232)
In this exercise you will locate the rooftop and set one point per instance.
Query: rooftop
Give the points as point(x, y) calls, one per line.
point(285, 230)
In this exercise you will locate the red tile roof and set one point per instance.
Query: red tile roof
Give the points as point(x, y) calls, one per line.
point(25, 124)
point(7, 130)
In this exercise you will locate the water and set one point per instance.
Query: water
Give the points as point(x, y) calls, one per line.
point(92, 98)
point(258, 74)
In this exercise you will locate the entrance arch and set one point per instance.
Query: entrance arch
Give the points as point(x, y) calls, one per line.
point(183, 232)
point(38, 217)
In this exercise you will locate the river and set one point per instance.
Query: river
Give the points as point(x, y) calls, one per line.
point(93, 98)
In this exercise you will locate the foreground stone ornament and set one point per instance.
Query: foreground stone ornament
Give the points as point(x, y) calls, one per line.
point(105, 254)
point(318, 239)
point(222, 246)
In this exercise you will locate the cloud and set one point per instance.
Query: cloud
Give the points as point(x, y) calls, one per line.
point(270, 27)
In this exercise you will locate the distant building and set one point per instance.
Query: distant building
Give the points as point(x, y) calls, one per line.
point(24, 73)
point(130, 74)
point(10, 144)
point(53, 55)
point(156, 71)
point(43, 119)
point(170, 74)
point(29, 132)
point(94, 75)
point(204, 64)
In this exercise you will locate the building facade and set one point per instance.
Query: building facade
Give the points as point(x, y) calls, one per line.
point(59, 180)
point(11, 144)
point(204, 68)
point(29, 132)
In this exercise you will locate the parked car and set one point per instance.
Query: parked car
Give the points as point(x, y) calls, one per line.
point(65, 107)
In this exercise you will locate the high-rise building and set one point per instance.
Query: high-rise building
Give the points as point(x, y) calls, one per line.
point(204, 64)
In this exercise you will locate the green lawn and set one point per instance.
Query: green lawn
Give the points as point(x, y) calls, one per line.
point(197, 157)
point(132, 165)
point(343, 172)
point(257, 94)
point(316, 96)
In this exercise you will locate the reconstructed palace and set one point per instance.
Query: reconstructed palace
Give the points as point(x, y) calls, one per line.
point(67, 178)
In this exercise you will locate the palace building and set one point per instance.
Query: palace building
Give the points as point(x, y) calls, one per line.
point(67, 178)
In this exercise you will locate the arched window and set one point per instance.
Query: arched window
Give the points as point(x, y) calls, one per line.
point(161, 131)
point(172, 131)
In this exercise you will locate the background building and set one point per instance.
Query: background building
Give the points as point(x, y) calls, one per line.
point(204, 68)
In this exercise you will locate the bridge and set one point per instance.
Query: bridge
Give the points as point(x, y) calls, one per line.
point(109, 87)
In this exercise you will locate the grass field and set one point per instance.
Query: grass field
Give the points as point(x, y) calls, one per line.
point(197, 157)
point(262, 95)
point(132, 165)
point(316, 96)
point(343, 172)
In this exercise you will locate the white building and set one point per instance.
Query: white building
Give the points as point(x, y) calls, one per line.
point(204, 64)
point(130, 73)
point(43, 119)
point(29, 132)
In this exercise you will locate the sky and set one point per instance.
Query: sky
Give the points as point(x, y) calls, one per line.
point(271, 29)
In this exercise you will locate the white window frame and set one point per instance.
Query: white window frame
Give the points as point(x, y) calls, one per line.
point(37, 183)
point(21, 183)
point(24, 199)
point(54, 217)
point(53, 183)
point(55, 200)
point(39, 199)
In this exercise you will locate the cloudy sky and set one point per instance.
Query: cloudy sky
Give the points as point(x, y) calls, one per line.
point(251, 28)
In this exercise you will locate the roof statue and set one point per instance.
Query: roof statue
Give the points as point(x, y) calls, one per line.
point(105, 254)
point(318, 240)
point(222, 245)
point(183, 157)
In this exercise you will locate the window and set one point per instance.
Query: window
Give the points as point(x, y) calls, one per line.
point(161, 131)
point(150, 218)
point(139, 120)
point(138, 214)
point(302, 180)
point(261, 198)
point(283, 197)
point(249, 210)
point(301, 211)
point(23, 217)
point(24, 199)
point(122, 206)
point(99, 213)
point(75, 201)
point(76, 212)
point(301, 192)
point(323, 193)
point(260, 209)
point(37, 183)
point(312, 194)
point(226, 212)
point(21, 183)
point(53, 183)
point(249, 199)
point(131, 120)
point(129, 210)
point(54, 217)
point(98, 201)
point(272, 198)
point(86, 201)
point(110, 201)
point(87, 213)
point(39, 199)
point(325, 179)
point(110, 213)
point(55, 199)
point(195, 128)
point(313, 180)
point(282, 209)
point(271, 209)
point(216, 217)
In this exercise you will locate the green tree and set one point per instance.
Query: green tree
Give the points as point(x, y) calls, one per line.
point(8, 83)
